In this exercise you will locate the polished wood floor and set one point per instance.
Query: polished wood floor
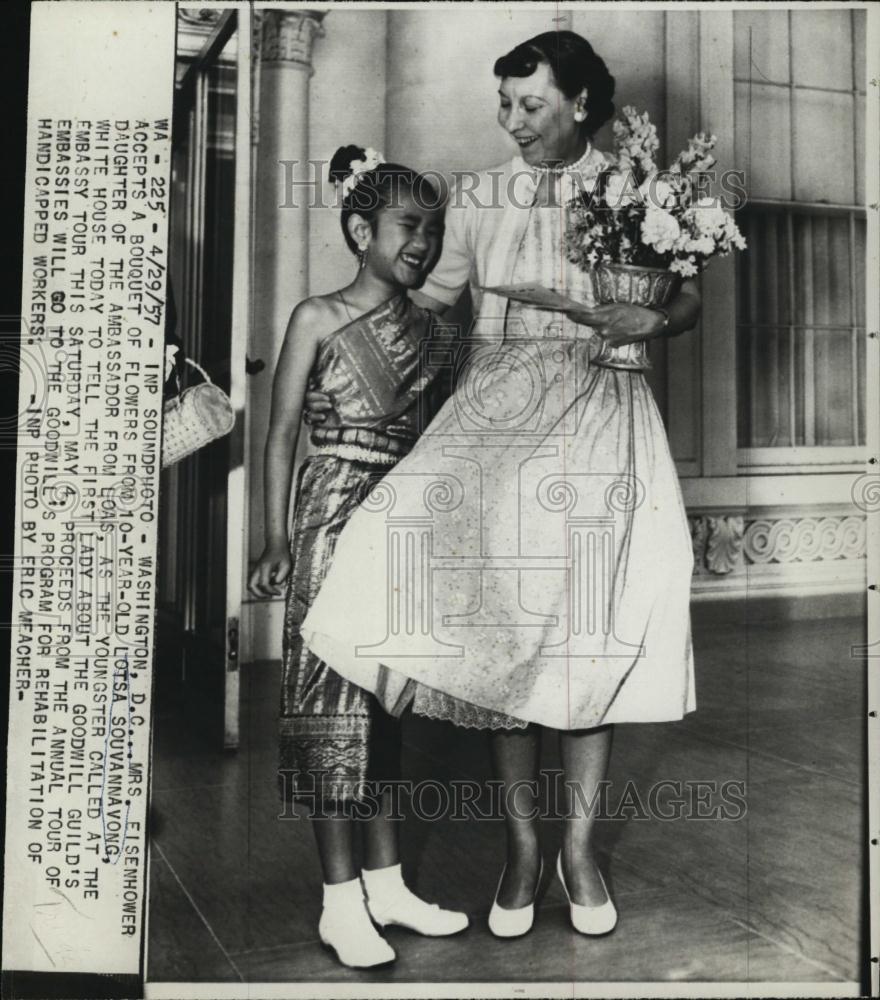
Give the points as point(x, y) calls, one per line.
point(775, 896)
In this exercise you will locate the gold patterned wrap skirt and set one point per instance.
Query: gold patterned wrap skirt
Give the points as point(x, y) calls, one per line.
point(333, 737)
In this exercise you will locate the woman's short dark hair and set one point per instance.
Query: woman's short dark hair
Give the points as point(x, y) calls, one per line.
point(378, 188)
point(574, 66)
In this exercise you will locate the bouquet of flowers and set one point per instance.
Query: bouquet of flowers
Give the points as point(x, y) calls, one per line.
point(638, 215)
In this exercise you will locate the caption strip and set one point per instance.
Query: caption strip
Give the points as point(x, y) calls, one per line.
point(89, 456)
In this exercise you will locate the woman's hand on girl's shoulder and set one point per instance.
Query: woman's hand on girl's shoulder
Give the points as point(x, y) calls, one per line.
point(271, 569)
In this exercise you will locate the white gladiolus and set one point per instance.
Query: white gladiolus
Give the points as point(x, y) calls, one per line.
point(657, 192)
point(656, 220)
point(620, 191)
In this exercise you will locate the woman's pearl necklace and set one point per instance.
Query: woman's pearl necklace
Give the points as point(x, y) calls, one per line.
point(566, 167)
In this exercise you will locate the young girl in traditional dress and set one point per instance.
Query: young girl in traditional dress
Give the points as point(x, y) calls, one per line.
point(362, 345)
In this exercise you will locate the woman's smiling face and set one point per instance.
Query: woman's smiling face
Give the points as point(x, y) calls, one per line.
point(540, 118)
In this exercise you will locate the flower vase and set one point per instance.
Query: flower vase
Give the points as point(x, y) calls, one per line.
point(639, 286)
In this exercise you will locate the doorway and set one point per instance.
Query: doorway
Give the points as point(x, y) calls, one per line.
point(202, 511)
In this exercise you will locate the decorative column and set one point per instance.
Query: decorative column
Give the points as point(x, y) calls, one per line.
point(718, 283)
point(280, 213)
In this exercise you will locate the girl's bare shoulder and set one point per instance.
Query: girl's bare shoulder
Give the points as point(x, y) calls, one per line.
point(316, 317)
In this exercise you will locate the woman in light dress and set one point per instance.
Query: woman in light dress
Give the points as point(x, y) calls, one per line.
point(528, 564)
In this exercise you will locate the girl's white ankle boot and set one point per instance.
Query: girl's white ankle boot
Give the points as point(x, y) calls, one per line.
point(391, 902)
point(345, 926)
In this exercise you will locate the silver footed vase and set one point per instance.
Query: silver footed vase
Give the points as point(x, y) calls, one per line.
point(640, 286)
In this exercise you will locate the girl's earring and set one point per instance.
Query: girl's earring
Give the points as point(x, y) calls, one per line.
point(362, 257)
point(580, 115)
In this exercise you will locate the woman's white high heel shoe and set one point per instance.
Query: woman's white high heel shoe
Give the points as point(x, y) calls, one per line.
point(346, 928)
point(592, 920)
point(513, 923)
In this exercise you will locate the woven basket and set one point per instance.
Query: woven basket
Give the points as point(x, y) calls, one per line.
point(640, 286)
point(195, 417)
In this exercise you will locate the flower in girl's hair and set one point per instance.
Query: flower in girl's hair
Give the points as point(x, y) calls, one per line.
point(648, 217)
point(371, 160)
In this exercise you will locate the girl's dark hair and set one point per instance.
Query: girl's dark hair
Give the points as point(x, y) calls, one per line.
point(574, 65)
point(378, 188)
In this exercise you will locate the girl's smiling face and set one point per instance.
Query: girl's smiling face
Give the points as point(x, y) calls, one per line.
point(406, 241)
point(541, 118)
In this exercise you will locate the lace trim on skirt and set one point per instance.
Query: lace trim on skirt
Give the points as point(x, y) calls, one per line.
point(434, 704)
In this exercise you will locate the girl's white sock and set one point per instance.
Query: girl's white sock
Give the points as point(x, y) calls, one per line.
point(343, 893)
point(382, 881)
point(345, 926)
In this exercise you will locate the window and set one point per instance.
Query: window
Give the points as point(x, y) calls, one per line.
point(801, 332)
point(801, 283)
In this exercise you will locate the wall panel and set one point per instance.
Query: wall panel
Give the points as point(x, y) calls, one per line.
point(346, 105)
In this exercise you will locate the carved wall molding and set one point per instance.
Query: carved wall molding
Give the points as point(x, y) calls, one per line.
point(287, 36)
point(866, 492)
point(194, 26)
point(699, 534)
point(728, 543)
point(199, 18)
point(805, 539)
point(724, 543)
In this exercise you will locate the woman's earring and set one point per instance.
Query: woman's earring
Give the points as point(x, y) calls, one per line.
point(362, 256)
point(580, 115)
